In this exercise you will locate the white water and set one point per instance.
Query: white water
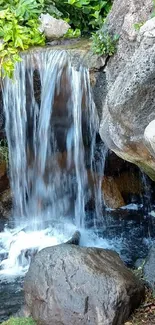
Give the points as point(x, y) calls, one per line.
point(19, 245)
point(50, 114)
point(36, 177)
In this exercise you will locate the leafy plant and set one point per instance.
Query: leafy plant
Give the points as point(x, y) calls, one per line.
point(85, 15)
point(104, 43)
point(19, 25)
point(18, 30)
point(137, 26)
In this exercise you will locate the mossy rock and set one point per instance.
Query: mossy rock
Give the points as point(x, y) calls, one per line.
point(19, 321)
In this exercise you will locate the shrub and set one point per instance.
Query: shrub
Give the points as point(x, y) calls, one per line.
point(18, 30)
point(19, 22)
point(104, 43)
point(85, 15)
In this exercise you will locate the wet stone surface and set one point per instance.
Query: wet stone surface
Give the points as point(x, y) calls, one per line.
point(130, 232)
point(11, 297)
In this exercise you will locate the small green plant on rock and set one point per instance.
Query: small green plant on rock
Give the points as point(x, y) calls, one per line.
point(137, 26)
point(19, 321)
point(104, 43)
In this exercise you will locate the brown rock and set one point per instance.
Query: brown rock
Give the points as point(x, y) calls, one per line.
point(111, 194)
point(3, 168)
point(4, 181)
point(128, 183)
point(5, 204)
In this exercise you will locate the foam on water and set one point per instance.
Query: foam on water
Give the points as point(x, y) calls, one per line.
point(19, 245)
point(51, 124)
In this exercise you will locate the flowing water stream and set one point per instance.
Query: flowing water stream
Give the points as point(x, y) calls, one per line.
point(51, 125)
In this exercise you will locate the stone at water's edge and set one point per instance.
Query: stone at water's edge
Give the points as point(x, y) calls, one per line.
point(5, 192)
point(68, 285)
point(149, 268)
point(111, 194)
point(5, 204)
point(128, 102)
point(75, 240)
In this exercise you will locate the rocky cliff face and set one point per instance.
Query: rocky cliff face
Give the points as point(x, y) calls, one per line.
point(127, 101)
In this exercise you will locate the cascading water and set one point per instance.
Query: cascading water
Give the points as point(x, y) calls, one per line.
point(31, 136)
point(51, 125)
point(56, 171)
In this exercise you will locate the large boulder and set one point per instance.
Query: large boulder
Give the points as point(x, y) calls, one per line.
point(129, 101)
point(68, 284)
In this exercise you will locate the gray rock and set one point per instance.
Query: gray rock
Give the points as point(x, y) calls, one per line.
point(75, 240)
point(68, 285)
point(52, 27)
point(128, 105)
point(149, 268)
point(121, 20)
point(139, 263)
point(147, 30)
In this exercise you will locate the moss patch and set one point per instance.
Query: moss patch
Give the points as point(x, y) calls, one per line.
point(19, 321)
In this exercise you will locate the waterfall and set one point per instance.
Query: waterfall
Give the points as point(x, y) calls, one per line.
point(49, 114)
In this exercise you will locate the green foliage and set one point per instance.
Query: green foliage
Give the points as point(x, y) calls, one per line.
point(73, 33)
point(19, 25)
point(137, 26)
point(104, 43)
point(18, 30)
point(3, 151)
point(19, 321)
point(85, 15)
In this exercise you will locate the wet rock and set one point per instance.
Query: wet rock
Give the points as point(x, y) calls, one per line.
point(139, 263)
point(68, 284)
point(27, 255)
point(75, 240)
point(112, 196)
point(52, 27)
point(130, 185)
point(149, 268)
point(11, 295)
point(23, 312)
point(5, 204)
point(3, 168)
point(4, 181)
